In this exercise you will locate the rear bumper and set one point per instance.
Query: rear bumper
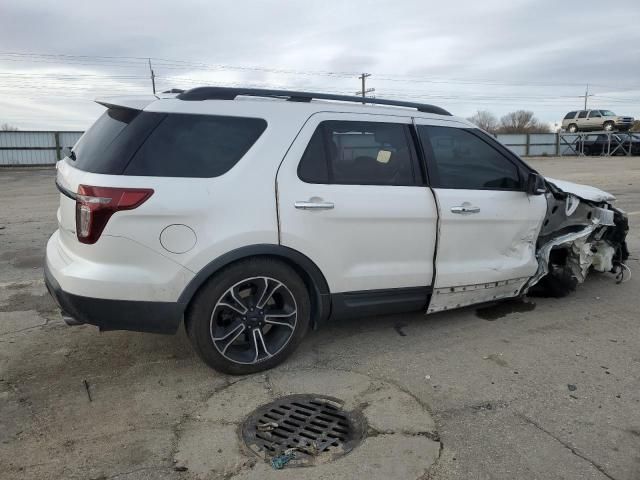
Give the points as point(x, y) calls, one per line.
point(107, 314)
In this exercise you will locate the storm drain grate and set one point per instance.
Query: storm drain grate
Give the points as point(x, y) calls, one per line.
point(310, 426)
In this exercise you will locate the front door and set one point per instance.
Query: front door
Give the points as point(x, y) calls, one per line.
point(351, 197)
point(488, 224)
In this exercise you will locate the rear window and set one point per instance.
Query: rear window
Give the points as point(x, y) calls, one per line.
point(109, 144)
point(131, 142)
point(195, 146)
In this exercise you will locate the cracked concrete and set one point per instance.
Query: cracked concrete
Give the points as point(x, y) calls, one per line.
point(210, 446)
point(495, 391)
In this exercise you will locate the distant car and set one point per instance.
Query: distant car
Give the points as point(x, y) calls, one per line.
point(587, 120)
point(601, 144)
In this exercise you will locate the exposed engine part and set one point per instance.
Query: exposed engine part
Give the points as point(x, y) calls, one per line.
point(620, 270)
point(578, 235)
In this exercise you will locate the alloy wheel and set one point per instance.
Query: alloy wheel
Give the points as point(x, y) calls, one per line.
point(253, 320)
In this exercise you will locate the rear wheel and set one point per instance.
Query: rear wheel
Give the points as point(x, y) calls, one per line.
point(573, 128)
point(249, 317)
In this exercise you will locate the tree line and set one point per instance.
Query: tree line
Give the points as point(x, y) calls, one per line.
point(520, 121)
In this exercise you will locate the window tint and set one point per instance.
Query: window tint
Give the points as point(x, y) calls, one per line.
point(594, 114)
point(582, 114)
point(462, 160)
point(195, 146)
point(359, 153)
point(569, 115)
point(108, 145)
point(313, 166)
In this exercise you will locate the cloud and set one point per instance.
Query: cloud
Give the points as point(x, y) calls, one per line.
point(464, 55)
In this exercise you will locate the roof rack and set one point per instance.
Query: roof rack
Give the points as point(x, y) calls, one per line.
point(230, 93)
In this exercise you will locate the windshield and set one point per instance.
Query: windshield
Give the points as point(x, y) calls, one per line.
point(608, 113)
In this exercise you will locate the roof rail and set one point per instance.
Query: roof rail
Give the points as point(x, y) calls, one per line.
point(230, 93)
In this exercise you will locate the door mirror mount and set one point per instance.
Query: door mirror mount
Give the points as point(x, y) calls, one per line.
point(536, 184)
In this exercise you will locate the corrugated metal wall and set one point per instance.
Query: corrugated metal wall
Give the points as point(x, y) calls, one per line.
point(42, 148)
point(34, 148)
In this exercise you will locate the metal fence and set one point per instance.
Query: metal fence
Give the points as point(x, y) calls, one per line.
point(45, 148)
point(559, 144)
point(34, 148)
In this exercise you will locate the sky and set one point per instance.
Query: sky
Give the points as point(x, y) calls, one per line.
point(463, 55)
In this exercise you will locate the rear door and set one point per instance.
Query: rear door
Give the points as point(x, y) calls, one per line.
point(581, 120)
point(351, 197)
point(488, 224)
point(595, 120)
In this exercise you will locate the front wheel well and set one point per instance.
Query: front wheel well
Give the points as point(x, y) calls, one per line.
point(311, 275)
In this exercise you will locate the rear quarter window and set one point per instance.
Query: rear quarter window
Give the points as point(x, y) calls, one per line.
point(204, 146)
point(569, 115)
point(109, 144)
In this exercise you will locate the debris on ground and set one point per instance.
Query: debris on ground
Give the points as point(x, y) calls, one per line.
point(572, 388)
point(280, 461)
point(267, 427)
point(86, 387)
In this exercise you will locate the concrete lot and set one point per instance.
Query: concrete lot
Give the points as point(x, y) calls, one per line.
point(496, 392)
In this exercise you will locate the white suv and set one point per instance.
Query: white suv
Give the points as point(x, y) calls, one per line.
point(256, 214)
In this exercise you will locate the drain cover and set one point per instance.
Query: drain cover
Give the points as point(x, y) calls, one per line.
point(312, 428)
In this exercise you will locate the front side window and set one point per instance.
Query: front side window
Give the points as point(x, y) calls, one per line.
point(461, 160)
point(595, 114)
point(582, 114)
point(199, 146)
point(359, 153)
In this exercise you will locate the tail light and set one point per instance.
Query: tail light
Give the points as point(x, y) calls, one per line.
point(95, 205)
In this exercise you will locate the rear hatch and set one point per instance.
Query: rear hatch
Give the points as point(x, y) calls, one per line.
point(101, 156)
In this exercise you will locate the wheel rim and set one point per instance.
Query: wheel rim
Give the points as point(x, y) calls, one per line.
point(608, 127)
point(253, 320)
point(573, 128)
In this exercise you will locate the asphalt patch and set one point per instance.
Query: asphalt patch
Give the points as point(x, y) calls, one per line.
point(22, 302)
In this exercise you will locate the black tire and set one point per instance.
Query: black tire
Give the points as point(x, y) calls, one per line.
point(210, 311)
point(587, 151)
point(573, 128)
point(557, 284)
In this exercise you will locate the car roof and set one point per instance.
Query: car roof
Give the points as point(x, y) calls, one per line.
point(258, 102)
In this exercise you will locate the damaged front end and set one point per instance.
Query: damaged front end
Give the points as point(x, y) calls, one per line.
point(582, 231)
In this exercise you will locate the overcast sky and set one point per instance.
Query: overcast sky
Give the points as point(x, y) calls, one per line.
point(463, 55)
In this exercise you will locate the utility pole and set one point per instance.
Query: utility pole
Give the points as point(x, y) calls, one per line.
point(586, 95)
point(153, 77)
point(364, 90)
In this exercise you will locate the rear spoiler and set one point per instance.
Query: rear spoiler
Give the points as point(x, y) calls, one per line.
point(131, 102)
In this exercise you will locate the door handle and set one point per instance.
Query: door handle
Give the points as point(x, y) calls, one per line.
point(308, 205)
point(465, 209)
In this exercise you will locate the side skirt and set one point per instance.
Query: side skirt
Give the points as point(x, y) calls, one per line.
point(366, 303)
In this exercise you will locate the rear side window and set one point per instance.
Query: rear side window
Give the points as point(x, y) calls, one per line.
point(111, 141)
point(184, 145)
point(359, 153)
point(461, 160)
point(570, 115)
point(582, 114)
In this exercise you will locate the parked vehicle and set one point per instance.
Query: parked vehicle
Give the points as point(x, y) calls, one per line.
point(587, 120)
point(611, 144)
point(254, 215)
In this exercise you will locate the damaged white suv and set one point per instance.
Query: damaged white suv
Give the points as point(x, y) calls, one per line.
point(253, 215)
